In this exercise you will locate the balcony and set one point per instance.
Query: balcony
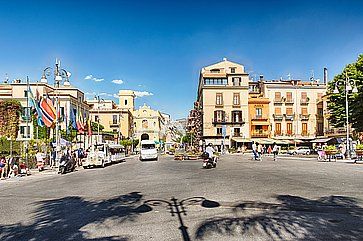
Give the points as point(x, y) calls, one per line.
point(304, 117)
point(219, 105)
point(237, 134)
point(340, 131)
point(259, 118)
point(226, 122)
point(304, 101)
point(278, 116)
point(278, 101)
point(260, 133)
point(304, 133)
point(289, 117)
point(289, 102)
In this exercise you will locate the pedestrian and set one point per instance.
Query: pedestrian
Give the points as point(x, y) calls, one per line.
point(4, 167)
point(269, 150)
point(259, 151)
point(254, 150)
point(275, 150)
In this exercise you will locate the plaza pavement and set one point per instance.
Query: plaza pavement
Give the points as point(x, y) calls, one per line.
point(290, 199)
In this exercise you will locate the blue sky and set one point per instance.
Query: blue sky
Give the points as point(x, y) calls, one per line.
point(159, 47)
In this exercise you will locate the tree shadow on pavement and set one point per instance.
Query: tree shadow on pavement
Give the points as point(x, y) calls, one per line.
point(66, 218)
point(291, 218)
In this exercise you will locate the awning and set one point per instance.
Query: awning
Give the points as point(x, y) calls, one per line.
point(263, 140)
point(241, 139)
point(260, 123)
point(321, 140)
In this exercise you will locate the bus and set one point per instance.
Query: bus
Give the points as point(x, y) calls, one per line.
point(117, 153)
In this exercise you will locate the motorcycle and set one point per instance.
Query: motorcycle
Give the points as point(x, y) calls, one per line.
point(66, 164)
point(209, 162)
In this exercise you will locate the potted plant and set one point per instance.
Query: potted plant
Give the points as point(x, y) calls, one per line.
point(359, 150)
point(330, 150)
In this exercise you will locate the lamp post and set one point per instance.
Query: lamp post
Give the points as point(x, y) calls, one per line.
point(348, 84)
point(60, 75)
point(99, 101)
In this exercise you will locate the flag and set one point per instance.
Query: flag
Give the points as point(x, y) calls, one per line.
point(34, 103)
point(48, 111)
point(80, 124)
point(89, 126)
point(73, 119)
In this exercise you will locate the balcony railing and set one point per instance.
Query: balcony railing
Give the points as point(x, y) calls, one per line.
point(226, 122)
point(260, 133)
point(304, 133)
point(289, 117)
point(289, 101)
point(237, 135)
point(304, 101)
point(114, 123)
point(337, 131)
point(277, 116)
point(259, 118)
point(278, 100)
point(304, 116)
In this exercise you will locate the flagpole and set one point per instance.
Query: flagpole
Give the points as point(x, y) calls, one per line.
point(27, 120)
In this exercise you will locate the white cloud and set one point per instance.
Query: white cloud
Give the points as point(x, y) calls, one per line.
point(90, 93)
point(143, 93)
point(90, 77)
point(118, 81)
point(115, 96)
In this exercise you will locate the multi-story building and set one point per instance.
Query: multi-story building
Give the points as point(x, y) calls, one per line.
point(223, 96)
point(71, 103)
point(258, 108)
point(148, 124)
point(296, 109)
point(116, 119)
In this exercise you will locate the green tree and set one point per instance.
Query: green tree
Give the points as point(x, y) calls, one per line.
point(94, 126)
point(40, 132)
point(336, 103)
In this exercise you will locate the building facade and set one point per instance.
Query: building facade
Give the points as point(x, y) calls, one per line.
point(71, 103)
point(148, 124)
point(223, 97)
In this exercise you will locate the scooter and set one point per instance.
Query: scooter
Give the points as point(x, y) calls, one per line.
point(210, 162)
point(66, 164)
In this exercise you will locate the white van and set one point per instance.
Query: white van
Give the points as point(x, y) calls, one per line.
point(148, 150)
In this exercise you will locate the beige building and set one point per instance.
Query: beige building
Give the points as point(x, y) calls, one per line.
point(70, 99)
point(223, 96)
point(116, 119)
point(296, 108)
point(148, 124)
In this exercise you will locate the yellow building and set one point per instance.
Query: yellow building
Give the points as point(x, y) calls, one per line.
point(116, 119)
point(70, 99)
point(258, 107)
point(223, 96)
point(296, 108)
point(148, 124)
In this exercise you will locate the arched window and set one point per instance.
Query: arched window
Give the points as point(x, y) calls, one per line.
point(145, 124)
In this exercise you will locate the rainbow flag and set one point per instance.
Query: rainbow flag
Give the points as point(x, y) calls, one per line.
point(48, 111)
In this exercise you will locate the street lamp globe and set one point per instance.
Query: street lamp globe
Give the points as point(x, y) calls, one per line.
point(355, 89)
point(58, 78)
point(336, 91)
point(44, 79)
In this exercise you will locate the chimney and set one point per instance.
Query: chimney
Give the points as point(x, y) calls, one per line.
point(325, 76)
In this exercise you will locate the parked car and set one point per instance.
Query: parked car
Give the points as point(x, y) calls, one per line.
point(301, 150)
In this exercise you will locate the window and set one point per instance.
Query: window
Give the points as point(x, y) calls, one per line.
point(236, 116)
point(278, 128)
point(304, 96)
point(219, 116)
point(233, 70)
point(277, 110)
point(304, 129)
point(97, 119)
point(219, 131)
point(236, 99)
point(125, 102)
point(237, 132)
point(320, 129)
point(320, 112)
point(114, 131)
point(236, 81)
point(114, 119)
point(259, 112)
point(216, 81)
point(145, 124)
point(25, 132)
point(61, 113)
point(289, 111)
point(304, 111)
point(289, 128)
point(289, 97)
point(215, 70)
point(320, 96)
point(25, 93)
point(278, 96)
point(26, 112)
point(219, 99)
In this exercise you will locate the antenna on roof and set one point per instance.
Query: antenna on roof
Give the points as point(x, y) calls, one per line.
point(6, 80)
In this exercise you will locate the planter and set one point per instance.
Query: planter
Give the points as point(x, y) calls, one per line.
point(359, 152)
point(331, 152)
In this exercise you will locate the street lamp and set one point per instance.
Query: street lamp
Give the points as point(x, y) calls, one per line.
point(99, 101)
point(60, 75)
point(350, 85)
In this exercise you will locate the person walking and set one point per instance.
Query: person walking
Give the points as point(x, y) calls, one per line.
point(254, 150)
point(259, 151)
point(269, 150)
point(4, 167)
point(275, 150)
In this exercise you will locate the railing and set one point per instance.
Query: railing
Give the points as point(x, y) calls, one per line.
point(304, 101)
point(339, 130)
point(113, 123)
point(304, 133)
point(260, 133)
point(289, 101)
point(278, 116)
point(278, 100)
point(289, 116)
point(237, 135)
point(304, 116)
point(225, 121)
point(260, 118)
